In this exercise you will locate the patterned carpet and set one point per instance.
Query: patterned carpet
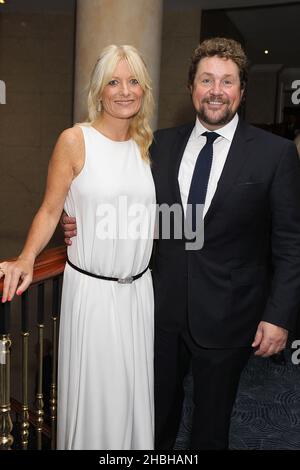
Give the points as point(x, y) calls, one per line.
point(266, 414)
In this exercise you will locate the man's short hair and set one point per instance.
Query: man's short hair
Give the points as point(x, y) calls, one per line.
point(220, 47)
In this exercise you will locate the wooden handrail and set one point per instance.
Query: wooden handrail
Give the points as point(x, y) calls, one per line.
point(50, 263)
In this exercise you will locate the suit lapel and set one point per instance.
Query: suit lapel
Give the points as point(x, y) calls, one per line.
point(183, 135)
point(235, 160)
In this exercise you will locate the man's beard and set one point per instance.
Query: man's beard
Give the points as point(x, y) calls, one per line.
point(222, 118)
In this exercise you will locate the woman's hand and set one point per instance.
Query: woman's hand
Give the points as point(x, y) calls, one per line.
point(17, 277)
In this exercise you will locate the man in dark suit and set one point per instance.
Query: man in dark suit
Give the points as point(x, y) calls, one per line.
point(240, 291)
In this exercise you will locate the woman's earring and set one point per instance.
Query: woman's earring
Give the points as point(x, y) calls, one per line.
point(99, 106)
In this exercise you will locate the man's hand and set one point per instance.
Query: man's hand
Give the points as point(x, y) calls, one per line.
point(269, 339)
point(69, 227)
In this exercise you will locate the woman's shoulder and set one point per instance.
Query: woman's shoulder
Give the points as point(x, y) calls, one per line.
point(70, 148)
point(72, 136)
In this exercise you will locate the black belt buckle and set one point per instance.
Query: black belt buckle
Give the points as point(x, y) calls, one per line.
point(125, 280)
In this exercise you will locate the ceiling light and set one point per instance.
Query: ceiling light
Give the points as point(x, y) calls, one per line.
point(2, 1)
point(266, 51)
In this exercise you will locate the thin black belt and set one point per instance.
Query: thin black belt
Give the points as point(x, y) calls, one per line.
point(120, 280)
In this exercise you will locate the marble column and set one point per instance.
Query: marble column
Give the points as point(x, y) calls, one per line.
point(103, 22)
point(180, 36)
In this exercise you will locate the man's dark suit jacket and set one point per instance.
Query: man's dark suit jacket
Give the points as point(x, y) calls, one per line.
point(249, 267)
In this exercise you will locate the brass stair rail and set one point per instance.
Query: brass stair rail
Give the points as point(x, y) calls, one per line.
point(53, 391)
point(6, 438)
point(49, 265)
point(25, 346)
point(39, 394)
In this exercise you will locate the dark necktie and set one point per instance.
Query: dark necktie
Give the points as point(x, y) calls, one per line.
point(200, 179)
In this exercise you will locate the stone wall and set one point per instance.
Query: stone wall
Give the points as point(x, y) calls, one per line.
point(36, 64)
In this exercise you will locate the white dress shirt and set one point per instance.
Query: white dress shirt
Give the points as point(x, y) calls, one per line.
point(195, 144)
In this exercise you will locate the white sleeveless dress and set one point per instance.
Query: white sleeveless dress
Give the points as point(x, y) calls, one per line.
point(105, 376)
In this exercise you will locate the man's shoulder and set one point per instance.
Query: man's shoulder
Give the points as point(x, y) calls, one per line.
point(263, 136)
point(165, 139)
point(170, 132)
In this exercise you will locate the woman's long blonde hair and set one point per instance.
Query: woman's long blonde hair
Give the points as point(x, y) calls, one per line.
point(140, 129)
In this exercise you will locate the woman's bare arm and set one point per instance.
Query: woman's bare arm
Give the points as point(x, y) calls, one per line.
point(66, 162)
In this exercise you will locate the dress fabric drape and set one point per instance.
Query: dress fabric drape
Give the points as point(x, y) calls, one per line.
point(105, 376)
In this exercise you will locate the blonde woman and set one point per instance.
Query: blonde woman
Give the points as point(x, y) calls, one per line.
point(99, 173)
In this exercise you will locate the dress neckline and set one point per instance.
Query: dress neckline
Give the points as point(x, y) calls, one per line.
point(111, 140)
